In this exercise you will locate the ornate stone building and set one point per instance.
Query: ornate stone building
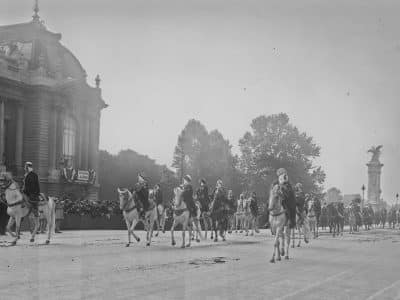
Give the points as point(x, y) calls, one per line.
point(49, 115)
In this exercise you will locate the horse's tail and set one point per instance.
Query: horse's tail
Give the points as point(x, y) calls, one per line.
point(52, 215)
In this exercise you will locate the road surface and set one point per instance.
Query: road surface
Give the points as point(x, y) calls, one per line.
point(97, 265)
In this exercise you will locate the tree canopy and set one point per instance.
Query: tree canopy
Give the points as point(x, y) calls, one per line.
point(275, 143)
point(204, 154)
point(121, 171)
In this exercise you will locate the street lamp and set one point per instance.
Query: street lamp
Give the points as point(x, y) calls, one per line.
point(362, 202)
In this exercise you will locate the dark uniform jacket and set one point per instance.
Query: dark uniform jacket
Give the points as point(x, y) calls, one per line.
point(142, 191)
point(204, 198)
point(187, 196)
point(289, 202)
point(254, 206)
point(300, 203)
point(158, 197)
point(31, 186)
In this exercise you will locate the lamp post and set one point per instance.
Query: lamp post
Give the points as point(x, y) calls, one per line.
point(362, 202)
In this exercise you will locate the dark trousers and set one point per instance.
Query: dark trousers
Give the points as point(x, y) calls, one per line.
point(3, 218)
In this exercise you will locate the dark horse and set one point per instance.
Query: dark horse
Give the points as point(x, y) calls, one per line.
point(333, 219)
point(219, 212)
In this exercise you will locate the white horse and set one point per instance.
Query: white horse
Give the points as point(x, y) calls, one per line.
point(239, 215)
point(182, 216)
point(128, 205)
point(19, 207)
point(279, 224)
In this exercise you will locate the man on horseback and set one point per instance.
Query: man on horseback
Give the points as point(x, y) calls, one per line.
point(32, 188)
point(187, 195)
point(300, 202)
point(289, 202)
point(203, 196)
point(142, 191)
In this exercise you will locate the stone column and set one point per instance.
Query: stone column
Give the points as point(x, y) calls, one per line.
point(19, 139)
point(94, 143)
point(85, 143)
point(2, 134)
point(53, 172)
point(374, 183)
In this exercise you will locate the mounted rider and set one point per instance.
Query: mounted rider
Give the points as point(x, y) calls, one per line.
point(31, 187)
point(187, 195)
point(142, 192)
point(300, 202)
point(203, 196)
point(289, 199)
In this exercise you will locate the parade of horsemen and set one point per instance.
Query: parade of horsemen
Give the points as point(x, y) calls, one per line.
point(292, 215)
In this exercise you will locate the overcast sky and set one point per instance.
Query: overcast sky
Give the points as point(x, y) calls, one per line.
point(333, 66)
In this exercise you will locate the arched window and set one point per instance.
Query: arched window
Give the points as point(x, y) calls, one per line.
point(69, 139)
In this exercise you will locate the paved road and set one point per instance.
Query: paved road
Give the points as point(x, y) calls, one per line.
point(96, 265)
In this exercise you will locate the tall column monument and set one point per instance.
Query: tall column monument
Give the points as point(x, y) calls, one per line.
point(374, 177)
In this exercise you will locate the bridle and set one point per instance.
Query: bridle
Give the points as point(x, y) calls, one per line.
point(7, 187)
point(127, 203)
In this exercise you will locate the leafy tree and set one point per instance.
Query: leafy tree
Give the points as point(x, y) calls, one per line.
point(205, 155)
point(121, 171)
point(275, 143)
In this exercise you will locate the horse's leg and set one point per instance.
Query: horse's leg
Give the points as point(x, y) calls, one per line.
point(172, 233)
point(10, 224)
point(35, 229)
point(17, 227)
point(190, 231)
point(184, 228)
point(128, 227)
point(276, 247)
point(287, 236)
point(205, 225)
point(215, 225)
point(293, 237)
point(300, 230)
point(132, 228)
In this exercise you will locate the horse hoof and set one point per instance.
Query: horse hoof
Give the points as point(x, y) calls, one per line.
point(279, 259)
point(283, 252)
point(148, 244)
point(127, 245)
point(188, 246)
point(215, 240)
point(47, 242)
point(298, 246)
point(224, 240)
point(198, 240)
point(31, 240)
point(292, 246)
point(272, 261)
point(183, 247)
point(138, 239)
point(173, 243)
point(156, 235)
point(287, 257)
point(13, 243)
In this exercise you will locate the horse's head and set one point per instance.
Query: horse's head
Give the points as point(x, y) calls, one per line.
point(6, 181)
point(124, 196)
point(275, 198)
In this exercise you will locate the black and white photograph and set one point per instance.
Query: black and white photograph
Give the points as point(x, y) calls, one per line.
point(199, 149)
